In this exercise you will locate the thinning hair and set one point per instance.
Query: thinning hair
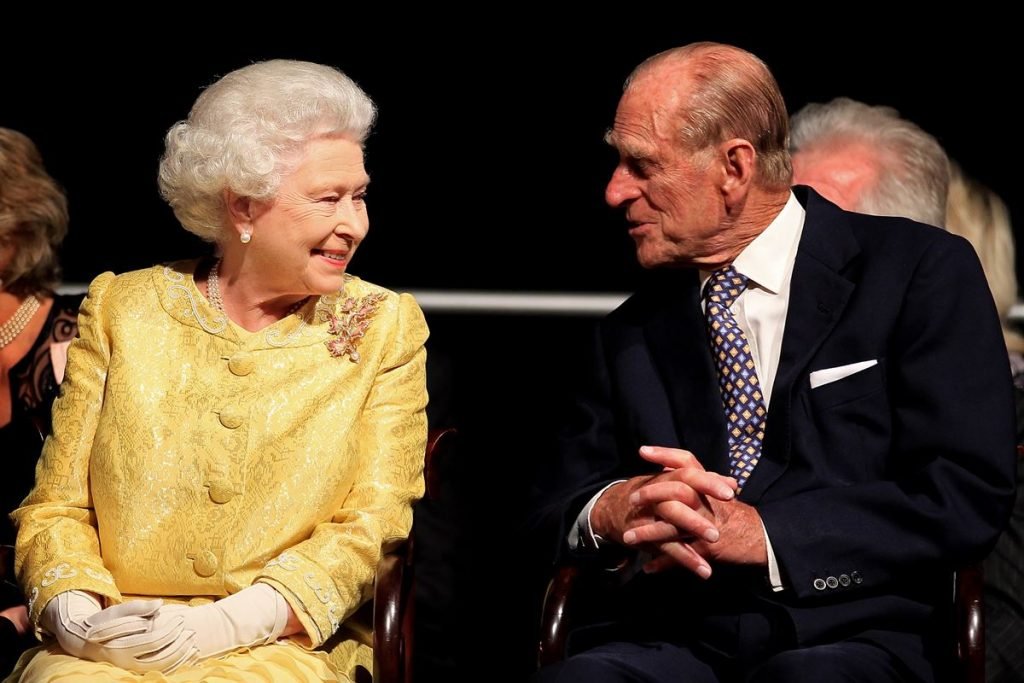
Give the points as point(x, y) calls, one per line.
point(979, 215)
point(913, 170)
point(246, 131)
point(733, 95)
point(33, 217)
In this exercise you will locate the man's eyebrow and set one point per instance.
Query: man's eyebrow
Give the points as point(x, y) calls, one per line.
point(627, 150)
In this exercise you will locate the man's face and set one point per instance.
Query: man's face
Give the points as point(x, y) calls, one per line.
point(669, 194)
point(840, 172)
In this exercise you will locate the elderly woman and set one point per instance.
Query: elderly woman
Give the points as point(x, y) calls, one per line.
point(36, 326)
point(239, 437)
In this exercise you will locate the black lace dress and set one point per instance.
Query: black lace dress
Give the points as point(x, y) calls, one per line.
point(33, 387)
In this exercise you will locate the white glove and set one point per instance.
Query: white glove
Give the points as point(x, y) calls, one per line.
point(126, 635)
point(256, 615)
point(64, 618)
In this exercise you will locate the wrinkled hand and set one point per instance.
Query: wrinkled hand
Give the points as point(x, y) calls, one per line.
point(741, 541)
point(126, 635)
point(690, 529)
point(669, 506)
point(256, 615)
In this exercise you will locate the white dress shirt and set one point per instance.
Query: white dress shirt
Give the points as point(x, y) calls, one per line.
point(760, 311)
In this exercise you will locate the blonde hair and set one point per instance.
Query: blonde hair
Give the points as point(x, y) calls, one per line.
point(33, 217)
point(977, 214)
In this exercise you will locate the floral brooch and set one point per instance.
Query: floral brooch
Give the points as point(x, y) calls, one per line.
point(350, 324)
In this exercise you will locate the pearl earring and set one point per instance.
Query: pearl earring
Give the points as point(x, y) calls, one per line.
point(246, 236)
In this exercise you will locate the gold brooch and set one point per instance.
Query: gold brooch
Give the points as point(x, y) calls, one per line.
point(350, 324)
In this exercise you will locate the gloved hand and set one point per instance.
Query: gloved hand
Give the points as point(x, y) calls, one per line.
point(127, 635)
point(256, 615)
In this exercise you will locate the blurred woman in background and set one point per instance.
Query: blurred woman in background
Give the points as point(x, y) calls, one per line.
point(36, 326)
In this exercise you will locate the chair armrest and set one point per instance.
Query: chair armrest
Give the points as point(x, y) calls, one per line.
point(391, 600)
point(572, 586)
point(970, 622)
point(555, 618)
point(394, 599)
point(437, 441)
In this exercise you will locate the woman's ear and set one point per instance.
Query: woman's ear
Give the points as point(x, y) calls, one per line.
point(240, 211)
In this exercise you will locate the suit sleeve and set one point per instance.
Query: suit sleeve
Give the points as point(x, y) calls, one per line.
point(326, 577)
point(949, 483)
point(585, 459)
point(58, 546)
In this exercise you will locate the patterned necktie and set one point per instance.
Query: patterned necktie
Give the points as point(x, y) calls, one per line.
point(741, 390)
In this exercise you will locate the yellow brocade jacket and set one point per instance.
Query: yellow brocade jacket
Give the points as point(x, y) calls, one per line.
point(191, 458)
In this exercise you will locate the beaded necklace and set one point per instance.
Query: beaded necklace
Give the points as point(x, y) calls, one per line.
point(16, 324)
point(213, 289)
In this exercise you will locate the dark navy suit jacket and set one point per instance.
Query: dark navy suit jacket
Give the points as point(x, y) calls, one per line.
point(871, 488)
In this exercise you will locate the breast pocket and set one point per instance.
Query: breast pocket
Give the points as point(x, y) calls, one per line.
point(853, 424)
point(850, 388)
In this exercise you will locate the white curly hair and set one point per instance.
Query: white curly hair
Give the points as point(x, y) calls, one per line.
point(246, 130)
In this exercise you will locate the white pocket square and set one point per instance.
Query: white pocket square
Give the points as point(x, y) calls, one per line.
point(829, 375)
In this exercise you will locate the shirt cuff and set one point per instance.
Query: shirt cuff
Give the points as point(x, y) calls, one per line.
point(774, 575)
point(582, 538)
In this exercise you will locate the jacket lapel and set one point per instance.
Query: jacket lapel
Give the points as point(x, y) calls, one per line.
point(678, 342)
point(818, 294)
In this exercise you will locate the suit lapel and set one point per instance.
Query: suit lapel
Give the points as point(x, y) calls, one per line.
point(678, 342)
point(818, 295)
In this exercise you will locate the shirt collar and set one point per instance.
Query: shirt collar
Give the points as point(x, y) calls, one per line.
point(768, 259)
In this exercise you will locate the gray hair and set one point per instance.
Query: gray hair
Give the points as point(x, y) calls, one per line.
point(246, 129)
point(913, 170)
point(734, 95)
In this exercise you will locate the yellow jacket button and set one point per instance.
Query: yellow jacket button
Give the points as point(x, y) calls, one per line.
point(241, 364)
point(220, 492)
point(205, 564)
point(230, 418)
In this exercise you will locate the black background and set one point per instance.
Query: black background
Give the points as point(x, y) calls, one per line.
point(488, 163)
point(488, 171)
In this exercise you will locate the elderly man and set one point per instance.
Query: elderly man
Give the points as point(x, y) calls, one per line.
point(797, 429)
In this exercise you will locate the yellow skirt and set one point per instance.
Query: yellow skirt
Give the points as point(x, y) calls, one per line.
point(282, 661)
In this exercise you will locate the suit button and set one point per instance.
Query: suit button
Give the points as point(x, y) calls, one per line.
point(832, 582)
point(844, 580)
point(856, 577)
point(204, 563)
point(230, 417)
point(241, 364)
point(220, 492)
point(819, 584)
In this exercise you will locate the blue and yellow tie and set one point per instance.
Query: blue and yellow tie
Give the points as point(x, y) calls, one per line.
point(737, 378)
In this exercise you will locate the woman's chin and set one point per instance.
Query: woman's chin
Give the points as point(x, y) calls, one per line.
point(329, 285)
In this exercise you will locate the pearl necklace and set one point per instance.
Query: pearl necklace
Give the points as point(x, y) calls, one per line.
point(213, 291)
point(14, 325)
point(213, 287)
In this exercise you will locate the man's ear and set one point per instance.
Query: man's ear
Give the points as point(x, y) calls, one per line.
point(738, 158)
